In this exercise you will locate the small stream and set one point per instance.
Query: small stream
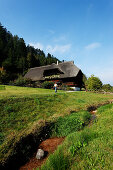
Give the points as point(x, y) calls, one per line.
point(26, 148)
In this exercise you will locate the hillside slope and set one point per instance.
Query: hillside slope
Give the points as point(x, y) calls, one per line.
point(27, 113)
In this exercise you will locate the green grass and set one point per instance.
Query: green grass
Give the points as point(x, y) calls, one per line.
point(14, 91)
point(57, 161)
point(91, 148)
point(23, 110)
point(2, 87)
point(70, 123)
point(99, 152)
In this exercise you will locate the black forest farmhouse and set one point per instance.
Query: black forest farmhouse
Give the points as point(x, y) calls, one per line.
point(65, 73)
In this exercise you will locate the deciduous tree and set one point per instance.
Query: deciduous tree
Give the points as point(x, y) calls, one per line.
point(93, 83)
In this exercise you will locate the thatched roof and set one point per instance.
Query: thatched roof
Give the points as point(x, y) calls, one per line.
point(65, 69)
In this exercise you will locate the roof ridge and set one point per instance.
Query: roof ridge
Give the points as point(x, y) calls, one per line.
point(52, 64)
point(67, 62)
point(40, 66)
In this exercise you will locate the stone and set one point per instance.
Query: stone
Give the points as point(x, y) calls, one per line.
point(40, 154)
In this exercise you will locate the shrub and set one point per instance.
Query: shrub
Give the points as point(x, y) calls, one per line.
point(64, 87)
point(93, 83)
point(107, 88)
point(47, 84)
point(38, 84)
point(21, 81)
point(4, 77)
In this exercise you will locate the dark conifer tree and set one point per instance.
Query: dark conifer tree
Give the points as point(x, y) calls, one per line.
point(17, 58)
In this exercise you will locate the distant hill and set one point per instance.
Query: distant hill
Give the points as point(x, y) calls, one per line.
point(16, 58)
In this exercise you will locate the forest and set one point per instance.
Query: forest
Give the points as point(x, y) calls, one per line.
point(16, 57)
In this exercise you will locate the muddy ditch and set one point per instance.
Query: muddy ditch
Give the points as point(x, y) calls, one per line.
point(49, 146)
point(25, 150)
point(95, 107)
point(26, 147)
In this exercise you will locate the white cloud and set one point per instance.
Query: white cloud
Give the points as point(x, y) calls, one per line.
point(61, 38)
point(52, 49)
point(58, 48)
point(37, 45)
point(93, 46)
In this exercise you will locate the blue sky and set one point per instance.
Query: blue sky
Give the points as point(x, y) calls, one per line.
point(79, 30)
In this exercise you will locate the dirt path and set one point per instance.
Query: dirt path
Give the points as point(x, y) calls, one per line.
point(49, 145)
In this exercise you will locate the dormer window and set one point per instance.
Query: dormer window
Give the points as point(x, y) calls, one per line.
point(51, 72)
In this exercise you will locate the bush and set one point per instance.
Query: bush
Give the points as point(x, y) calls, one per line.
point(21, 81)
point(65, 87)
point(38, 84)
point(107, 88)
point(47, 84)
point(93, 83)
point(4, 77)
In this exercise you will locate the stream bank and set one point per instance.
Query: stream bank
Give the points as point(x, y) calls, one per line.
point(26, 149)
point(49, 146)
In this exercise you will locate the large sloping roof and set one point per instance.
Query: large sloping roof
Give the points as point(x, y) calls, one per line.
point(68, 69)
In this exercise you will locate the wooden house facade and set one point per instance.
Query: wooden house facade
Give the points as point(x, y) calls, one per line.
point(65, 73)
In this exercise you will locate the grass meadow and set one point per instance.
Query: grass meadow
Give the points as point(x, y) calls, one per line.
point(24, 110)
point(90, 148)
point(14, 91)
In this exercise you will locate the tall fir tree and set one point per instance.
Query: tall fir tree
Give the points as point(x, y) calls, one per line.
point(17, 58)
